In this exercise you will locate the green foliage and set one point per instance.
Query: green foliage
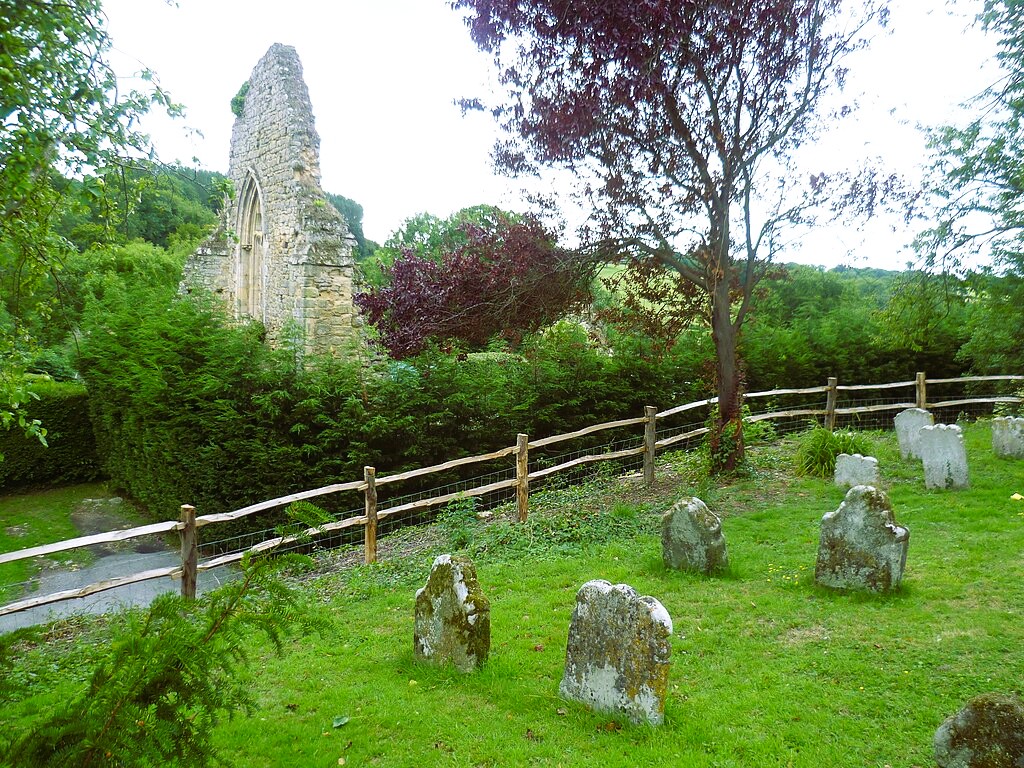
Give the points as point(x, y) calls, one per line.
point(457, 521)
point(238, 100)
point(819, 447)
point(167, 678)
point(352, 212)
point(64, 115)
point(69, 453)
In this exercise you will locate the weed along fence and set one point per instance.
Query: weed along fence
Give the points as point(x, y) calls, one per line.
point(529, 462)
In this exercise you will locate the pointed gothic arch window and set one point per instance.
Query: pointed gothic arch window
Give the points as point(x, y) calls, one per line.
point(251, 250)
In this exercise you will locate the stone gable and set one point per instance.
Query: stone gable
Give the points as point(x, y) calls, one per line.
point(282, 253)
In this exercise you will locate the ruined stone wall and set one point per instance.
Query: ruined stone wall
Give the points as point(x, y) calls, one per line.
point(283, 254)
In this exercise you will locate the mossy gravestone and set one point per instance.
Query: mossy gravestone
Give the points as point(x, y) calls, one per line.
point(987, 733)
point(453, 617)
point(941, 449)
point(1008, 437)
point(692, 540)
point(618, 655)
point(861, 546)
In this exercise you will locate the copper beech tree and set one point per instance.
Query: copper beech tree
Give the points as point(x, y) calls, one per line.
point(681, 118)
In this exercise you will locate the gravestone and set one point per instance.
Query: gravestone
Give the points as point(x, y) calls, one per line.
point(854, 469)
point(453, 617)
point(944, 456)
point(908, 428)
point(987, 733)
point(282, 253)
point(861, 546)
point(1008, 437)
point(618, 655)
point(692, 539)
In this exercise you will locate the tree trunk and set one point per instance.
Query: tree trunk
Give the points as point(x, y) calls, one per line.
point(727, 430)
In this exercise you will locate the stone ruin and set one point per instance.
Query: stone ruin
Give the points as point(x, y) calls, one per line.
point(1008, 437)
point(987, 733)
point(944, 456)
point(618, 655)
point(908, 429)
point(861, 546)
point(282, 254)
point(692, 539)
point(453, 616)
point(854, 469)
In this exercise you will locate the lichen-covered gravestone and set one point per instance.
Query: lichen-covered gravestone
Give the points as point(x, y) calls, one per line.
point(453, 617)
point(691, 538)
point(1008, 437)
point(908, 428)
point(987, 733)
point(861, 546)
point(618, 655)
point(854, 469)
point(944, 456)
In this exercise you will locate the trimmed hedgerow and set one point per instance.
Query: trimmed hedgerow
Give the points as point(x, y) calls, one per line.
point(69, 457)
point(188, 409)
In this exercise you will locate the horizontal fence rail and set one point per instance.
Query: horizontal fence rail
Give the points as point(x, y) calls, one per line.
point(189, 524)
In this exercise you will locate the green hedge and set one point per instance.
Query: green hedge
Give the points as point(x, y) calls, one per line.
point(71, 456)
point(190, 410)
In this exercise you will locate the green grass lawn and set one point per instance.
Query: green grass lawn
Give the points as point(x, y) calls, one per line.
point(768, 670)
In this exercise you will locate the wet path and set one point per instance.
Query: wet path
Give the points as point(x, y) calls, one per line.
point(111, 560)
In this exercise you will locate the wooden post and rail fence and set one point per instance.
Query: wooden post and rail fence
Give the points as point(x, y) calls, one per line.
point(189, 523)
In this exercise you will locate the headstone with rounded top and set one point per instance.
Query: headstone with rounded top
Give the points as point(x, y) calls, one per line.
point(453, 617)
point(987, 733)
point(618, 655)
point(908, 428)
point(861, 546)
point(1008, 437)
point(854, 469)
point(692, 539)
point(944, 456)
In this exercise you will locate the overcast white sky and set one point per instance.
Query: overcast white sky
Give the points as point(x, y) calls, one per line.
point(383, 75)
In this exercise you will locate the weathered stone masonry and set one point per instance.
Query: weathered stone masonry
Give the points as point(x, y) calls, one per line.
point(282, 254)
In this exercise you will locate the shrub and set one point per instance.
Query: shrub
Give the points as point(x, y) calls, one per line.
point(70, 456)
point(819, 448)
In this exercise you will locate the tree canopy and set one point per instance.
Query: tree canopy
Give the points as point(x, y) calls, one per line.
point(481, 273)
point(682, 118)
point(62, 114)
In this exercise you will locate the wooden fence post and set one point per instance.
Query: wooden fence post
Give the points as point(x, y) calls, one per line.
point(922, 393)
point(189, 552)
point(650, 440)
point(830, 403)
point(370, 529)
point(523, 476)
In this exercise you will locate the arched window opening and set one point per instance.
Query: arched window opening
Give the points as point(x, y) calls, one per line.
point(251, 250)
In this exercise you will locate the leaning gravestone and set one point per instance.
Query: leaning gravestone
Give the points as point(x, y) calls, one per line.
point(861, 546)
point(1008, 437)
point(453, 617)
point(987, 733)
point(908, 428)
point(618, 655)
point(944, 457)
point(692, 540)
point(854, 469)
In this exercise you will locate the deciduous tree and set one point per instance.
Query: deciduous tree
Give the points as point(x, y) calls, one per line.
point(502, 276)
point(683, 117)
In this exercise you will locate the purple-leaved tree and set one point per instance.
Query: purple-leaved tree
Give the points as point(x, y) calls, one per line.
point(682, 117)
